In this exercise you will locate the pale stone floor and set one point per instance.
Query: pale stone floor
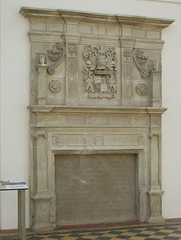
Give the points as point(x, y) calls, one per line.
point(139, 232)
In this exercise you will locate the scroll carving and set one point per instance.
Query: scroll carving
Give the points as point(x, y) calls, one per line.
point(99, 72)
point(143, 64)
point(55, 54)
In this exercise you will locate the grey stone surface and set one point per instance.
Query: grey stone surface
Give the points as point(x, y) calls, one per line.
point(95, 91)
point(95, 188)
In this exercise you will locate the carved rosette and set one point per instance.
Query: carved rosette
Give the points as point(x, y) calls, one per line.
point(55, 86)
point(55, 54)
point(99, 72)
point(141, 89)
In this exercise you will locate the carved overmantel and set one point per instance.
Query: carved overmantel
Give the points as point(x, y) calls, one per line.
point(95, 88)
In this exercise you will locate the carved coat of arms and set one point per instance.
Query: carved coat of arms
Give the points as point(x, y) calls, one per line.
point(100, 72)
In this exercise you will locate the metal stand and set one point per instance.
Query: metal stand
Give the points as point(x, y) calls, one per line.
point(21, 215)
point(20, 186)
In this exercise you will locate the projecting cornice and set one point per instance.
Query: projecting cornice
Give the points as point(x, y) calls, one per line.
point(79, 16)
point(96, 110)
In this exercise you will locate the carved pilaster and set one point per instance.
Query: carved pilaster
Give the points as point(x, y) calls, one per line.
point(40, 194)
point(155, 192)
point(155, 161)
point(71, 70)
point(156, 91)
point(127, 70)
point(42, 80)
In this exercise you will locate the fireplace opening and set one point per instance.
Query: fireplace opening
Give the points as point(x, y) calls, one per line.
point(97, 188)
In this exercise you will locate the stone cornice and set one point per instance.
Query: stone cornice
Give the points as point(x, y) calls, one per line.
point(78, 16)
point(96, 110)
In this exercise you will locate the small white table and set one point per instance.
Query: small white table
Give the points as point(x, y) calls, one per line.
point(20, 186)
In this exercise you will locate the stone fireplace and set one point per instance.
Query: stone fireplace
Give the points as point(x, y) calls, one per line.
point(95, 118)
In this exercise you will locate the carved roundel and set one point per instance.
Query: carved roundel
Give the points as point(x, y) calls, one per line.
point(141, 89)
point(55, 86)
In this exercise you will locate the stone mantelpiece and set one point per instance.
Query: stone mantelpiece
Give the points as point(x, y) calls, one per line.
point(95, 89)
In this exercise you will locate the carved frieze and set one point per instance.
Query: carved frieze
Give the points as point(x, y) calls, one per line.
point(56, 141)
point(80, 140)
point(99, 72)
point(98, 120)
point(65, 140)
point(140, 140)
point(123, 120)
point(55, 54)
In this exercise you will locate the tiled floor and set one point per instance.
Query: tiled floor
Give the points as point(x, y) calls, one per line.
point(171, 231)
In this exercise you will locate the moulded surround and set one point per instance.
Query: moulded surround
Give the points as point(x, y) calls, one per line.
point(95, 90)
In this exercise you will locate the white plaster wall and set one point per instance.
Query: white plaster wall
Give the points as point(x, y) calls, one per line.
point(15, 88)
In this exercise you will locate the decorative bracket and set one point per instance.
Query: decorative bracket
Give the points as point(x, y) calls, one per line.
point(55, 54)
point(143, 64)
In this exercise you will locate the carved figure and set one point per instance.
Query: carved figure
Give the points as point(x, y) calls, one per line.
point(99, 72)
point(42, 59)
